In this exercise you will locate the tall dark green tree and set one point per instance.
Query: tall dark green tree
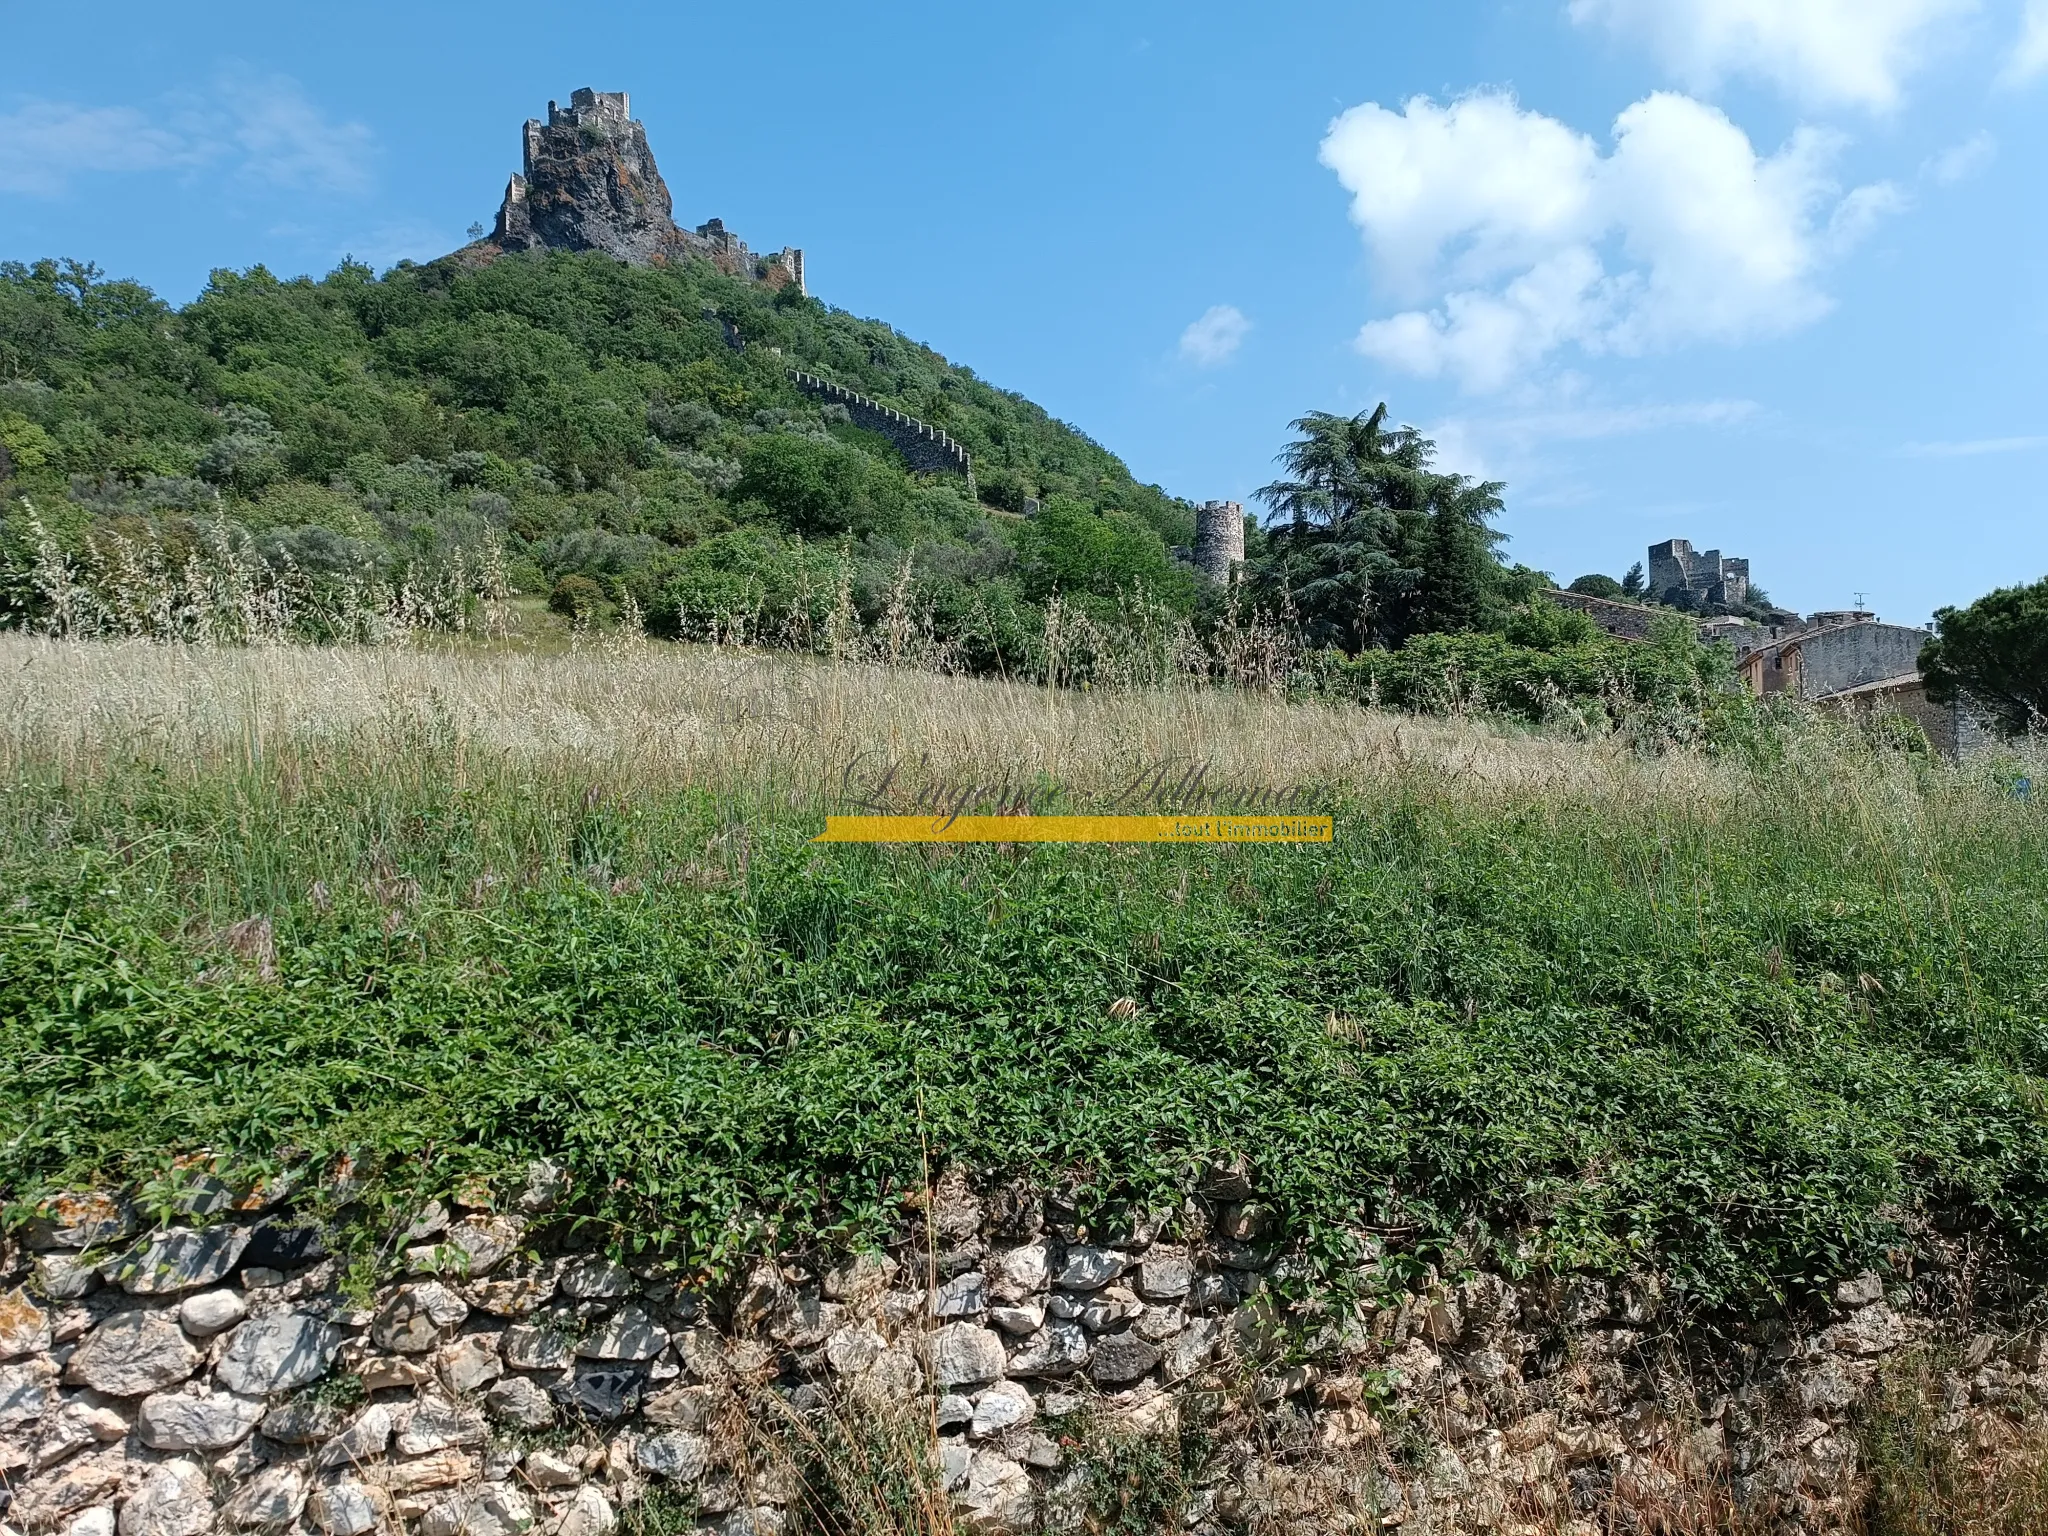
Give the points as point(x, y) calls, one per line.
point(1456, 567)
point(1369, 543)
point(1994, 655)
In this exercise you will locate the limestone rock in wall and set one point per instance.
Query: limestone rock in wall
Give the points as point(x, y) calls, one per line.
point(65, 1276)
point(629, 1334)
point(1121, 1358)
point(435, 1424)
point(302, 1421)
point(211, 1421)
point(1058, 1349)
point(179, 1260)
point(133, 1353)
point(589, 1513)
point(962, 1355)
point(272, 1500)
point(412, 1321)
point(364, 1439)
point(596, 1279)
point(495, 1510)
point(278, 1353)
point(175, 1500)
point(26, 1392)
point(24, 1326)
point(521, 1403)
point(1090, 1269)
point(343, 1509)
point(677, 1455)
point(211, 1312)
point(1165, 1274)
point(88, 1220)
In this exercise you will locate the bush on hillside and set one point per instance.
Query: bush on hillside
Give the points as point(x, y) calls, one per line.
point(1569, 665)
point(576, 597)
point(818, 488)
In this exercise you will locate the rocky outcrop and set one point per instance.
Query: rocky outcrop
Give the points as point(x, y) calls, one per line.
point(502, 1381)
point(590, 184)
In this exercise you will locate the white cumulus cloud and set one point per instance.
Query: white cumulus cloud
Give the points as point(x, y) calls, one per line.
point(1826, 52)
point(1214, 339)
point(1533, 239)
point(265, 130)
point(1964, 160)
point(2029, 58)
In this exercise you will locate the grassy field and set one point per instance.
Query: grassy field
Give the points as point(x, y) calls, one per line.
point(1742, 1021)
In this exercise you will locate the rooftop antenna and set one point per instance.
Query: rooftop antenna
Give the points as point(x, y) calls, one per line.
point(1859, 602)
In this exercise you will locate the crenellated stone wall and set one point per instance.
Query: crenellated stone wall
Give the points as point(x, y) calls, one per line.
point(926, 448)
point(503, 1379)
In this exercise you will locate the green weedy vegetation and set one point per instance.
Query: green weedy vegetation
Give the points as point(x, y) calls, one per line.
point(559, 425)
point(1742, 1022)
point(365, 458)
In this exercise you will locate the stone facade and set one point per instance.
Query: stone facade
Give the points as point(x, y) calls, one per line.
point(589, 183)
point(1950, 728)
point(924, 447)
point(1624, 621)
point(504, 1380)
point(1683, 579)
point(1819, 663)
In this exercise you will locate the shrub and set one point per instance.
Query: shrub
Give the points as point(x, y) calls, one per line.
point(1484, 673)
point(820, 487)
point(576, 597)
point(1079, 551)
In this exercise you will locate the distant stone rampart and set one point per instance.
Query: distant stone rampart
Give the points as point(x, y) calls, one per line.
point(926, 449)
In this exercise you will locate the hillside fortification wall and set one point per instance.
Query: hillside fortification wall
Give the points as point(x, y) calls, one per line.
point(926, 448)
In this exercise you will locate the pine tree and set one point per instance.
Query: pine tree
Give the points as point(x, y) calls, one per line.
point(1456, 572)
point(1354, 527)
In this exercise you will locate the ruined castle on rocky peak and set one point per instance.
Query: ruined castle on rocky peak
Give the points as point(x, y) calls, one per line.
point(589, 183)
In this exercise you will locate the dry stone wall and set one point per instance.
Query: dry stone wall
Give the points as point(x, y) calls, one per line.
point(219, 1377)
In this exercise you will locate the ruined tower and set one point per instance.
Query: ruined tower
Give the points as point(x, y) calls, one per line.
point(1219, 539)
point(1686, 579)
point(589, 183)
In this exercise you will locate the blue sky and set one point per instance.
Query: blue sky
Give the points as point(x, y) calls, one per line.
point(1771, 275)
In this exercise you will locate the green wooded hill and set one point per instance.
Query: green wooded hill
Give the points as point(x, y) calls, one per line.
point(593, 421)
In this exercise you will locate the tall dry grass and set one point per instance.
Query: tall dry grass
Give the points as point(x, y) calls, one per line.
point(665, 716)
point(502, 756)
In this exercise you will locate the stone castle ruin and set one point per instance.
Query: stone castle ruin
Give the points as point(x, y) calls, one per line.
point(589, 183)
point(1680, 578)
point(1846, 658)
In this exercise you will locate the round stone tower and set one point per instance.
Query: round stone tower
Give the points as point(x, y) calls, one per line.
point(1219, 539)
